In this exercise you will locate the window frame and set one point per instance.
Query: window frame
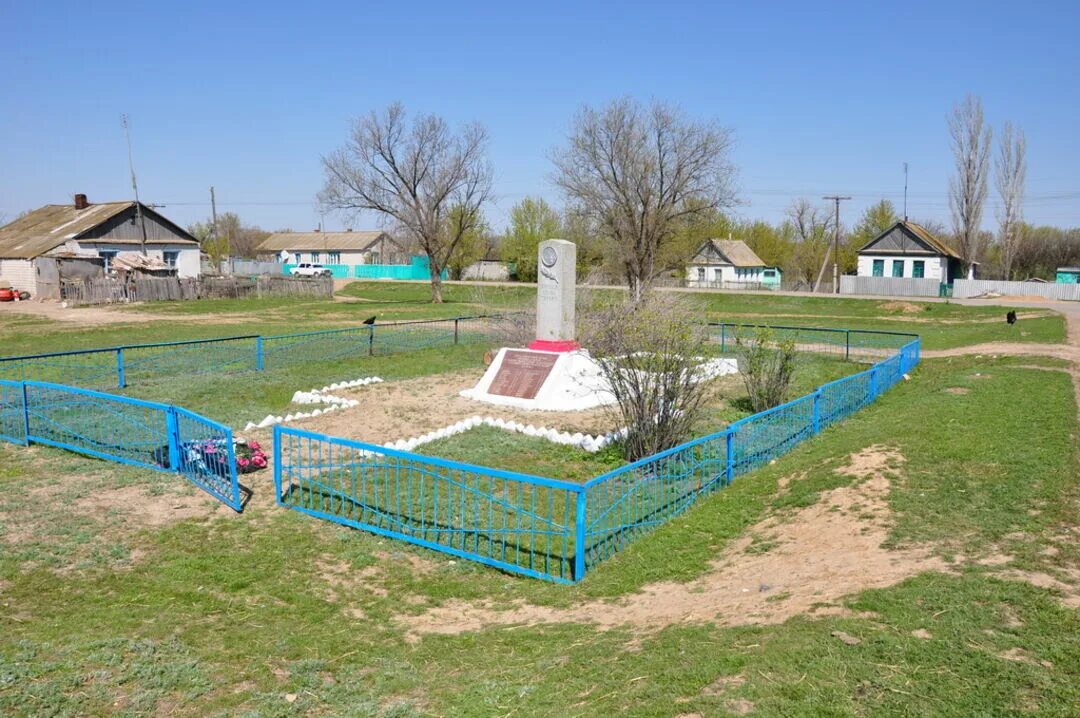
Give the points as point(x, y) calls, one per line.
point(878, 268)
point(108, 255)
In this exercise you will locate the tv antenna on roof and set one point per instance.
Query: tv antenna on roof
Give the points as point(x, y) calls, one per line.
point(134, 184)
point(905, 191)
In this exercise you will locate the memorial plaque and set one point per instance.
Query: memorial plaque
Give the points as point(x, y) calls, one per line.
point(522, 374)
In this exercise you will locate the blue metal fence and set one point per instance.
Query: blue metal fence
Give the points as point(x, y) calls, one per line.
point(554, 529)
point(121, 429)
point(128, 364)
point(513, 521)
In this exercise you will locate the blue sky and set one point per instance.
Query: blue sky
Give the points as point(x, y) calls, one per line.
point(823, 97)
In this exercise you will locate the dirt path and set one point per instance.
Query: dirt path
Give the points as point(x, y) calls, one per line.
point(1069, 351)
point(786, 565)
point(105, 315)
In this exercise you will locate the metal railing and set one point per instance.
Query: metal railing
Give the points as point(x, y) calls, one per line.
point(124, 365)
point(124, 430)
point(558, 530)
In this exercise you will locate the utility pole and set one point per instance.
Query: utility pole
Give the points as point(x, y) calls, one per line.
point(836, 242)
point(213, 219)
point(134, 185)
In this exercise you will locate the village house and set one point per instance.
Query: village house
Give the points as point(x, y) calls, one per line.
point(909, 250)
point(731, 264)
point(81, 240)
point(338, 251)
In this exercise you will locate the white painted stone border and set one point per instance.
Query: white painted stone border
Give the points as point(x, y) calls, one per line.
point(316, 396)
point(586, 442)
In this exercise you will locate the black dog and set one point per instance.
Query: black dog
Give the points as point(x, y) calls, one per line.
point(1011, 317)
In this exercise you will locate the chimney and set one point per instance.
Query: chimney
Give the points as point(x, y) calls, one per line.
point(80, 201)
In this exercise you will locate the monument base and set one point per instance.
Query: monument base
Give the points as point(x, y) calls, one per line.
point(566, 380)
point(544, 345)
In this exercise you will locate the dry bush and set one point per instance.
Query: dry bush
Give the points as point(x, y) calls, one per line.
point(767, 366)
point(649, 352)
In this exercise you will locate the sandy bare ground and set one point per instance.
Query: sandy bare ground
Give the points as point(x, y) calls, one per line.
point(819, 554)
point(404, 409)
point(104, 315)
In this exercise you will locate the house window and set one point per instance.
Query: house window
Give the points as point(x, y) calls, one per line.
point(108, 255)
point(316, 257)
point(701, 274)
point(170, 256)
point(879, 267)
point(918, 269)
point(770, 273)
point(296, 258)
point(898, 267)
point(334, 257)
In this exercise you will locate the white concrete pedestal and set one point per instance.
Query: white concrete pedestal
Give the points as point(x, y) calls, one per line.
point(574, 384)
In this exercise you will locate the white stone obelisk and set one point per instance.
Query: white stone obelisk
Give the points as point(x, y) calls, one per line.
point(556, 285)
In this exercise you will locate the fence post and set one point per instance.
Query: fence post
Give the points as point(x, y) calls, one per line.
point(873, 382)
point(258, 353)
point(25, 416)
point(730, 450)
point(723, 337)
point(371, 340)
point(277, 464)
point(847, 344)
point(817, 411)
point(121, 379)
point(579, 538)
point(456, 320)
point(172, 430)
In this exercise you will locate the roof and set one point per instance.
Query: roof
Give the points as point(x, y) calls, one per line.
point(53, 225)
point(324, 241)
point(736, 251)
point(922, 234)
point(136, 260)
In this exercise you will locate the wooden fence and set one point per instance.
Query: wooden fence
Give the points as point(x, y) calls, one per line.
point(109, 290)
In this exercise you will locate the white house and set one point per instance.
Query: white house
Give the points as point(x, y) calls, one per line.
point(61, 241)
point(333, 249)
point(730, 263)
point(908, 250)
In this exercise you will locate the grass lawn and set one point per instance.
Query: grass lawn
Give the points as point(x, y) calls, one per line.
point(126, 592)
point(941, 325)
point(530, 455)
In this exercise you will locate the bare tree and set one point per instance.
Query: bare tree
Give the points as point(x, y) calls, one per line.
point(637, 171)
point(650, 354)
point(1010, 173)
point(429, 180)
point(967, 189)
point(812, 227)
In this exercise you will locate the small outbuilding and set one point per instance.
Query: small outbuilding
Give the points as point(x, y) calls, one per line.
point(1068, 275)
point(909, 250)
point(81, 241)
point(730, 264)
